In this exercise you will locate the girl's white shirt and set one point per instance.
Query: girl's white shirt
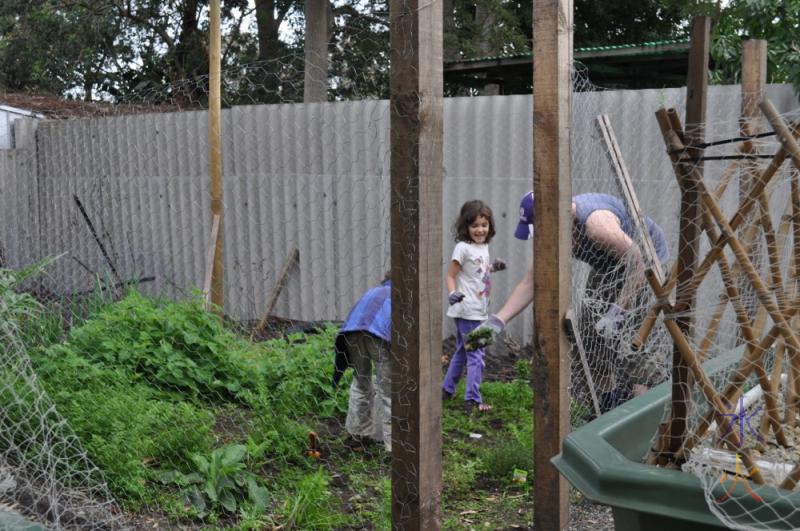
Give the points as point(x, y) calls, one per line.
point(473, 281)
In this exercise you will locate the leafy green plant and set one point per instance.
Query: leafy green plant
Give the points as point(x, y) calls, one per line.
point(16, 305)
point(173, 345)
point(125, 425)
point(220, 481)
point(459, 475)
point(501, 460)
point(295, 376)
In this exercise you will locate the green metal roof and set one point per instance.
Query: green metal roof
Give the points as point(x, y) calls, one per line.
point(615, 49)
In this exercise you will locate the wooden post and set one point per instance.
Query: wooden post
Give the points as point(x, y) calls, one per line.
point(315, 87)
point(552, 95)
point(754, 78)
point(689, 239)
point(215, 149)
point(416, 118)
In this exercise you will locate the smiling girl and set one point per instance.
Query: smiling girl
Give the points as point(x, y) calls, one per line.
point(469, 285)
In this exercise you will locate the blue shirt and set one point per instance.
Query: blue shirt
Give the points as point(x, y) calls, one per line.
point(372, 313)
point(584, 248)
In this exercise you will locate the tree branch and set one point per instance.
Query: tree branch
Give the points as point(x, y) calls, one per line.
point(353, 12)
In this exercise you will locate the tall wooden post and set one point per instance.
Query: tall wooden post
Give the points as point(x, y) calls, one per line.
point(416, 118)
point(688, 241)
point(215, 150)
point(552, 248)
point(315, 87)
point(754, 78)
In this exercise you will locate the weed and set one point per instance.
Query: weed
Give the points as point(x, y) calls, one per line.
point(501, 460)
point(220, 481)
point(524, 369)
point(173, 345)
point(311, 505)
point(459, 475)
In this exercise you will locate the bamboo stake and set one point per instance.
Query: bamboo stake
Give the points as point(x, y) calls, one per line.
point(690, 359)
point(752, 469)
point(791, 480)
point(729, 237)
point(652, 314)
point(774, 382)
point(793, 387)
point(629, 193)
point(717, 246)
point(215, 148)
point(293, 256)
point(572, 328)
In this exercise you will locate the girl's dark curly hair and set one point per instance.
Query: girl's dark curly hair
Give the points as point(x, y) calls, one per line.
point(469, 213)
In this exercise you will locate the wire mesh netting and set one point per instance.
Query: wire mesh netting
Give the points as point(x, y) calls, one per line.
point(130, 402)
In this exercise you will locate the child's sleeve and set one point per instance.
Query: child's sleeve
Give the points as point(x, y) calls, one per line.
point(458, 253)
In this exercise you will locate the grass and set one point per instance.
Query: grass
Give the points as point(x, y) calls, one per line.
point(146, 384)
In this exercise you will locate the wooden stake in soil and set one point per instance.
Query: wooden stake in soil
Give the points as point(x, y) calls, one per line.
point(416, 165)
point(294, 256)
point(572, 328)
point(215, 147)
point(552, 249)
point(629, 194)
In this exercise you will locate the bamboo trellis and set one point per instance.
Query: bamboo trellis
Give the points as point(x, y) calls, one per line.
point(775, 300)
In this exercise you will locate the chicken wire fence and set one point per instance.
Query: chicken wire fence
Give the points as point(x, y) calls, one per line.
point(116, 198)
point(735, 427)
point(130, 402)
point(740, 429)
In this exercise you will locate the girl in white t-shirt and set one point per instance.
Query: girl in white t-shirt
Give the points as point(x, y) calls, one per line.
point(468, 285)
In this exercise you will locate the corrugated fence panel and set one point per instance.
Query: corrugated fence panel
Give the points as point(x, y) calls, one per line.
point(315, 177)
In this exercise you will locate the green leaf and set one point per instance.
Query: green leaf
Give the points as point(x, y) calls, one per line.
point(228, 501)
point(196, 500)
point(211, 491)
point(233, 454)
point(259, 496)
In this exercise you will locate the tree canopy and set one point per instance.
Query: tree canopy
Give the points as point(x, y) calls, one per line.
point(156, 49)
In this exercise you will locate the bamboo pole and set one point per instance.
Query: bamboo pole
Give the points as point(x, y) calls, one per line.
point(652, 315)
point(728, 236)
point(690, 359)
point(215, 148)
point(717, 246)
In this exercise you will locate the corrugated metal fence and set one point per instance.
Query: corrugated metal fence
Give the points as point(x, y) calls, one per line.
point(127, 197)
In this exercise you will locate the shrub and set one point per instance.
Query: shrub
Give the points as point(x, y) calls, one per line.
point(173, 345)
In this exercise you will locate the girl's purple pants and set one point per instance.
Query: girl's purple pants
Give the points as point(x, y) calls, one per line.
point(472, 359)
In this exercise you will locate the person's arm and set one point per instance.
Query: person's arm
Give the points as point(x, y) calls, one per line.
point(604, 228)
point(453, 296)
point(452, 273)
point(520, 297)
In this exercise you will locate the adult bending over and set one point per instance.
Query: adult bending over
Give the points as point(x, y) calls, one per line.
point(602, 237)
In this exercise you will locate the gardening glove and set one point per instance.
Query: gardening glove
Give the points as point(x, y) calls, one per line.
point(483, 335)
point(498, 264)
point(610, 325)
point(454, 297)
